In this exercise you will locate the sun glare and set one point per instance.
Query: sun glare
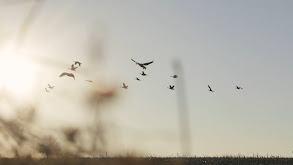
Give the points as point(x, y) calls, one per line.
point(17, 75)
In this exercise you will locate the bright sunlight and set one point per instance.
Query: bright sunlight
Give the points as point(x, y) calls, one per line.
point(17, 75)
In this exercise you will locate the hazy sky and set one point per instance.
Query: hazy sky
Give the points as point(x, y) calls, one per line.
point(220, 43)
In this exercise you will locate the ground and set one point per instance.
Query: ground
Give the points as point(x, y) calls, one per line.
point(149, 161)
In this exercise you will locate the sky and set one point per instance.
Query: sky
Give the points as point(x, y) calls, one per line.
point(219, 43)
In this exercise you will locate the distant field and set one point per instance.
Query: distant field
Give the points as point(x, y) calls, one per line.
point(149, 161)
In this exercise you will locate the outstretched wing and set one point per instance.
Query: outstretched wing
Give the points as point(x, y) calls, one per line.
point(147, 63)
point(63, 74)
point(67, 74)
point(71, 75)
point(124, 85)
point(210, 87)
point(133, 60)
point(141, 65)
point(77, 62)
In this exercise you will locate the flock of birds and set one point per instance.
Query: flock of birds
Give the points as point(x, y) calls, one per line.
point(142, 65)
point(72, 68)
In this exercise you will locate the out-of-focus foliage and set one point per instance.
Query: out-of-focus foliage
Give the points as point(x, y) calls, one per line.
point(22, 135)
point(70, 134)
point(99, 95)
point(48, 146)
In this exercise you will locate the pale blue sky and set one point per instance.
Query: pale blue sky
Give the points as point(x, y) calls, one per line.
point(220, 43)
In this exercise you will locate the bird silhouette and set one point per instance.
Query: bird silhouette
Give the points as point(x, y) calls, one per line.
point(174, 76)
point(67, 74)
point(89, 80)
point(137, 79)
point(73, 68)
point(142, 64)
point(124, 86)
point(47, 90)
point(77, 62)
point(210, 89)
point(143, 74)
point(51, 87)
point(238, 87)
point(171, 87)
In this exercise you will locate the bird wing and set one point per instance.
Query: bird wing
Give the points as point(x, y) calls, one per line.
point(124, 85)
point(49, 85)
point(75, 62)
point(141, 65)
point(71, 75)
point(133, 60)
point(210, 87)
point(72, 66)
point(63, 74)
point(67, 74)
point(147, 63)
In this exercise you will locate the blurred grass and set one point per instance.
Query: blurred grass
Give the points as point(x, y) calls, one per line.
point(149, 161)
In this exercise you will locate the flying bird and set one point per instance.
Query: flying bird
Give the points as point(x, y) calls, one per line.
point(73, 68)
point(124, 86)
point(77, 62)
point(174, 76)
point(137, 79)
point(51, 87)
point(238, 87)
point(142, 64)
point(89, 80)
point(171, 87)
point(47, 90)
point(67, 74)
point(210, 89)
point(143, 74)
